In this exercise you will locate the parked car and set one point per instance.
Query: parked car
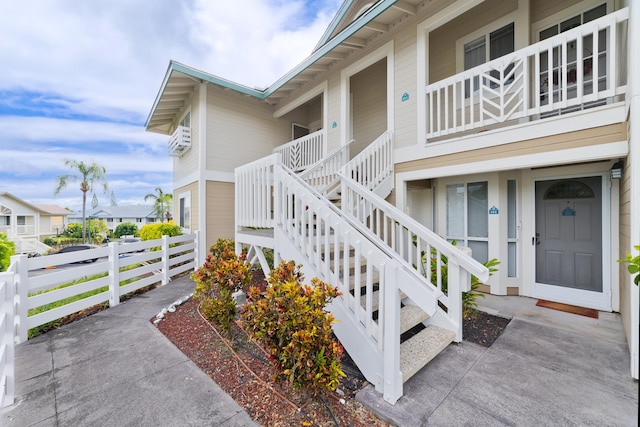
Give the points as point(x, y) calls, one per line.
point(127, 240)
point(75, 248)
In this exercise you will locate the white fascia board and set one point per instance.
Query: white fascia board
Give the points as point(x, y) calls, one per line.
point(353, 28)
point(208, 176)
point(592, 118)
point(560, 157)
point(219, 176)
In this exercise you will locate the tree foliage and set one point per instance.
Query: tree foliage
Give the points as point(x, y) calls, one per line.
point(126, 229)
point(162, 203)
point(89, 175)
point(156, 231)
point(7, 249)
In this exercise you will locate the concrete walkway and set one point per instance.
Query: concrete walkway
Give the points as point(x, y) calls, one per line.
point(548, 368)
point(116, 369)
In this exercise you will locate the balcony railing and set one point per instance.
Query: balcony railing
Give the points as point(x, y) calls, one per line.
point(180, 141)
point(555, 76)
point(303, 152)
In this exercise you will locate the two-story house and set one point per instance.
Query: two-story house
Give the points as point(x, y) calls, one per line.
point(508, 126)
point(116, 215)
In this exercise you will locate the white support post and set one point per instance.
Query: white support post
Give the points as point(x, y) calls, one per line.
point(166, 275)
point(196, 251)
point(21, 297)
point(7, 365)
point(390, 300)
point(114, 274)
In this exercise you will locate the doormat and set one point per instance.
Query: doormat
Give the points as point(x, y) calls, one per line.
point(582, 311)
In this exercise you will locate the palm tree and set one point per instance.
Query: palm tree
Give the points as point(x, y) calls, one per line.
point(161, 203)
point(88, 175)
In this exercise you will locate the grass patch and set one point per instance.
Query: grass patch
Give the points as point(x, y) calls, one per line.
point(54, 324)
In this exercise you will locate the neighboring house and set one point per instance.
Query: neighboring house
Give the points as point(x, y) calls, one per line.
point(513, 127)
point(28, 225)
point(53, 218)
point(116, 215)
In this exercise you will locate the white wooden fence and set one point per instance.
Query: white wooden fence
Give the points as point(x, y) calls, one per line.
point(119, 269)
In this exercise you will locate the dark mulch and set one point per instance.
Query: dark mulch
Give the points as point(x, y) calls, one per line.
point(482, 328)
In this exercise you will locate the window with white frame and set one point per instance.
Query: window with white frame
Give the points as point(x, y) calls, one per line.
point(487, 47)
point(467, 217)
point(552, 87)
point(184, 216)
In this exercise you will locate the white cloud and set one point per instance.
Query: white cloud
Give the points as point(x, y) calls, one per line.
point(79, 78)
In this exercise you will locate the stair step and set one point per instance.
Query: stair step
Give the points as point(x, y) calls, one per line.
point(410, 316)
point(416, 352)
point(375, 305)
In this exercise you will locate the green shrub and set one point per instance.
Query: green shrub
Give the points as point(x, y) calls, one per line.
point(96, 228)
point(470, 298)
point(222, 274)
point(73, 230)
point(126, 229)
point(634, 265)
point(289, 320)
point(156, 231)
point(7, 249)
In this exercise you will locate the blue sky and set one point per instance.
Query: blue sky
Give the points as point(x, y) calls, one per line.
point(78, 78)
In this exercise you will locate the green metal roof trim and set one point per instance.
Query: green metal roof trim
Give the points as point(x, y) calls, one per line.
point(334, 23)
point(350, 30)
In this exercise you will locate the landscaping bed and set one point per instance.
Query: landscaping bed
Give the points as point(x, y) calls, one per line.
point(242, 370)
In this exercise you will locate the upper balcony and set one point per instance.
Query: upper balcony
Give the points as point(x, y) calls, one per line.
point(581, 68)
point(303, 152)
point(180, 141)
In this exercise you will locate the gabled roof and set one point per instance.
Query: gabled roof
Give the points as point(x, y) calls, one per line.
point(133, 211)
point(53, 209)
point(349, 32)
point(4, 194)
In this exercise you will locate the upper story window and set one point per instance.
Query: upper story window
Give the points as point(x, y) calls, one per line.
point(485, 48)
point(493, 45)
point(574, 21)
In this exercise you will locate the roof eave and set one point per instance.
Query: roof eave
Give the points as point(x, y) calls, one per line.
point(350, 30)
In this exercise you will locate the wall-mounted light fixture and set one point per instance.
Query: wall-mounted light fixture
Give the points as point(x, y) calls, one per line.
point(616, 170)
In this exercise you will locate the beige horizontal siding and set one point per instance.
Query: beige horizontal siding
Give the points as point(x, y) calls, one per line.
point(405, 118)
point(584, 138)
point(369, 89)
point(220, 211)
point(240, 129)
point(442, 41)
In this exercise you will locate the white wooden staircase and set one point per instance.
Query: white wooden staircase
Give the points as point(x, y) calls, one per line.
point(393, 315)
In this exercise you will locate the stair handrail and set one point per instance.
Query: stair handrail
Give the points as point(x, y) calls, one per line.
point(299, 209)
point(322, 176)
point(373, 165)
point(359, 203)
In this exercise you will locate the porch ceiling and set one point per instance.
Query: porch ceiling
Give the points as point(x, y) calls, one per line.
point(346, 39)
